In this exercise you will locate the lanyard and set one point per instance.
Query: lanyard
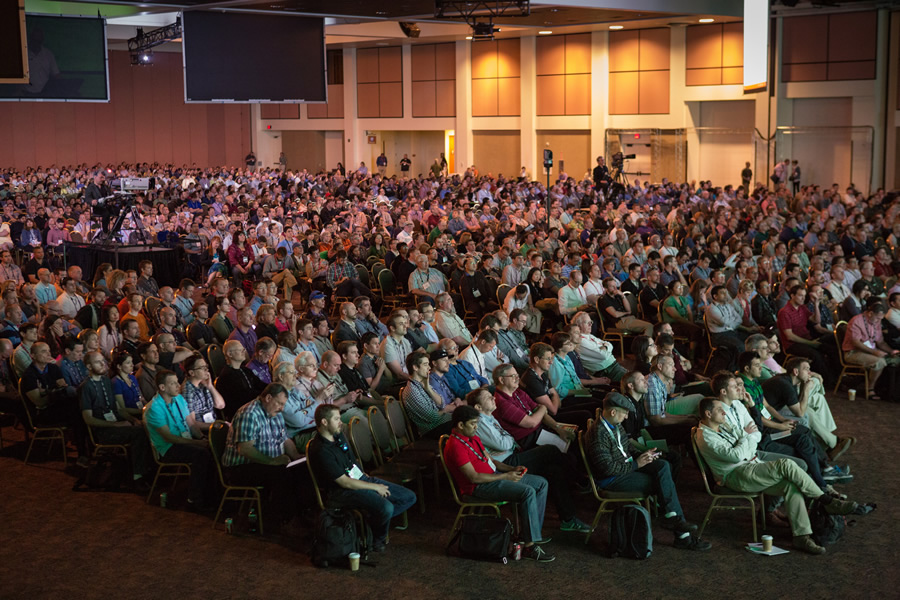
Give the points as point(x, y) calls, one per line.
point(482, 455)
point(169, 410)
point(616, 438)
point(107, 402)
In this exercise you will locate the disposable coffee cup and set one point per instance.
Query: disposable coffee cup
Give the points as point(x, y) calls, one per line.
point(354, 559)
point(767, 543)
point(851, 395)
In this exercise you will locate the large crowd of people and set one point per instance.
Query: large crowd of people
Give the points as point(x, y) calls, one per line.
point(498, 311)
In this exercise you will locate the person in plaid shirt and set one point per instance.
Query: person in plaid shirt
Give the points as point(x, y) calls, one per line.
point(343, 279)
point(257, 451)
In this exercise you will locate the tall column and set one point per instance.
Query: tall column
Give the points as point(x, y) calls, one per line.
point(599, 93)
point(528, 92)
point(882, 61)
point(463, 133)
point(353, 138)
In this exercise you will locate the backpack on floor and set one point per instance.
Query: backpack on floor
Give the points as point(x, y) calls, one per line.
point(483, 537)
point(336, 536)
point(827, 529)
point(629, 532)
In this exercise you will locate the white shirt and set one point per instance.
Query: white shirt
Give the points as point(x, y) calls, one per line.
point(70, 305)
point(592, 288)
point(473, 355)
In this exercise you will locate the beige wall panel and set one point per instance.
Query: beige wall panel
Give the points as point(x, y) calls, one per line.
point(390, 96)
point(578, 53)
point(497, 152)
point(623, 51)
point(445, 61)
point(445, 99)
point(550, 55)
point(703, 77)
point(509, 58)
point(422, 62)
point(578, 94)
point(306, 149)
point(733, 75)
point(623, 93)
point(733, 45)
point(572, 147)
point(484, 97)
point(551, 95)
point(654, 49)
point(484, 60)
point(367, 65)
point(336, 101)
point(367, 100)
point(805, 39)
point(423, 96)
point(703, 46)
point(509, 97)
point(389, 65)
point(654, 92)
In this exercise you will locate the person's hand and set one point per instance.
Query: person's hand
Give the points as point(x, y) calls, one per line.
point(751, 428)
point(379, 362)
point(382, 490)
point(645, 459)
point(879, 353)
point(566, 433)
point(282, 460)
point(514, 476)
point(604, 380)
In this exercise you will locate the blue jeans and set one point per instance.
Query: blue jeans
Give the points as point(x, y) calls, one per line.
point(380, 510)
point(530, 493)
point(653, 478)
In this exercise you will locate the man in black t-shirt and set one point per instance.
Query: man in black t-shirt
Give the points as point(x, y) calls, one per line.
point(405, 162)
point(601, 174)
point(535, 382)
point(340, 476)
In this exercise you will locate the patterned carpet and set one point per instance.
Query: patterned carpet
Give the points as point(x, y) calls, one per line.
point(55, 543)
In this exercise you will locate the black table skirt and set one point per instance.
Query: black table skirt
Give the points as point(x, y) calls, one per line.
point(167, 269)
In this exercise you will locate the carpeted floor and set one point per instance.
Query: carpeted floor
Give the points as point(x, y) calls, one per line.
point(55, 543)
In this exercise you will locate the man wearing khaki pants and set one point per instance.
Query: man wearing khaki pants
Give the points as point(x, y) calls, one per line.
point(864, 344)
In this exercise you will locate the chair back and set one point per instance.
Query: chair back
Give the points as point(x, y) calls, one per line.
point(76, 237)
point(363, 274)
point(27, 407)
point(396, 416)
point(218, 435)
point(312, 475)
point(153, 449)
point(840, 331)
point(361, 440)
point(701, 464)
point(386, 282)
point(216, 359)
point(381, 432)
point(151, 308)
point(589, 426)
point(502, 292)
point(442, 443)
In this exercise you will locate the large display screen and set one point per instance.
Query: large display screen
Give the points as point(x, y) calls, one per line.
point(253, 58)
point(66, 61)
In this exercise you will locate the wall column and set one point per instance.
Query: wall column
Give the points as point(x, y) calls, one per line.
point(353, 138)
point(528, 107)
point(464, 153)
point(599, 94)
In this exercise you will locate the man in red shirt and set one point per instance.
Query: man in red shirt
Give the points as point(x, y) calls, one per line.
point(478, 476)
point(796, 339)
point(518, 414)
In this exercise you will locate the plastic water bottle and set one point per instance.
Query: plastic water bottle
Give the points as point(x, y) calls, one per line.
point(252, 520)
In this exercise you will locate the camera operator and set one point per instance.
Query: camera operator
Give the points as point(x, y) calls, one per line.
point(602, 178)
point(96, 190)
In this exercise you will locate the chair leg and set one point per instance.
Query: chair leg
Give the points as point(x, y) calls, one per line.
point(594, 524)
point(840, 377)
point(404, 523)
point(30, 446)
point(707, 518)
point(221, 506)
point(420, 488)
point(455, 525)
point(259, 515)
point(153, 486)
point(753, 518)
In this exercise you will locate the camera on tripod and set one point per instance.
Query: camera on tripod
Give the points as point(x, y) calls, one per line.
point(618, 160)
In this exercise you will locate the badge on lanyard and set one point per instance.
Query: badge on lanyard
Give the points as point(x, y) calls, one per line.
point(355, 472)
point(109, 416)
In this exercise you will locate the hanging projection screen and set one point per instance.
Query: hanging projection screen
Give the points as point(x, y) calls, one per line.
point(13, 61)
point(66, 61)
point(756, 45)
point(253, 58)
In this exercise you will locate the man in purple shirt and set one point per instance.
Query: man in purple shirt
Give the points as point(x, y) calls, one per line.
point(519, 414)
point(244, 332)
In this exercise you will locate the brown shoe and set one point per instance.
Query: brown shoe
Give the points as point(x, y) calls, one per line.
point(777, 519)
point(843, 444)
point(806, 543)
point(840, 507)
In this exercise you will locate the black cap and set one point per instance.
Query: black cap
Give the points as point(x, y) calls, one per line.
point(617, 400)
point(438, 354)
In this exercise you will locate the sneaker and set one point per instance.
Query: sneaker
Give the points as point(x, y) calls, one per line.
point(836, 506)
point(829, 489)
point(837, 477)
point(837, 469)
point(806, 543)
point(688, 541)
point(843, 444)
point(576, 525)
point(378, 547)
point(83, 462)
point(678, 524)
point(537, 553)
point(542, 542)
point(777, 519)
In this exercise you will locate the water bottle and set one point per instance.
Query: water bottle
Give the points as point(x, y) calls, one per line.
point(252, 520)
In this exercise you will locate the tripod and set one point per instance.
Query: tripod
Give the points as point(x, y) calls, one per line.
point(127, 210)
point(619, 182)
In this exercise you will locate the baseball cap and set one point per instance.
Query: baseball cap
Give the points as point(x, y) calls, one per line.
point(438, 354)
point(316, 295)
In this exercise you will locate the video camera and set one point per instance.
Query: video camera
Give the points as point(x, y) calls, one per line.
point(618, 160)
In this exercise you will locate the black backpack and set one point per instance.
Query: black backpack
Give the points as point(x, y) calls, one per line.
point(827, 529)
point(483, 537)
point(107, 473)
point(336, 536)
point(629, 532)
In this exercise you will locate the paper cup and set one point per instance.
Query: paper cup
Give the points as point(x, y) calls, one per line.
point(354, 560)
point(767, 543)
point(851, 395)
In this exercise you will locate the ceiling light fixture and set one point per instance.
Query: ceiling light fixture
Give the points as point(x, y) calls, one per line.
point(707, 20)
point(617, 27)
point(544, 32)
